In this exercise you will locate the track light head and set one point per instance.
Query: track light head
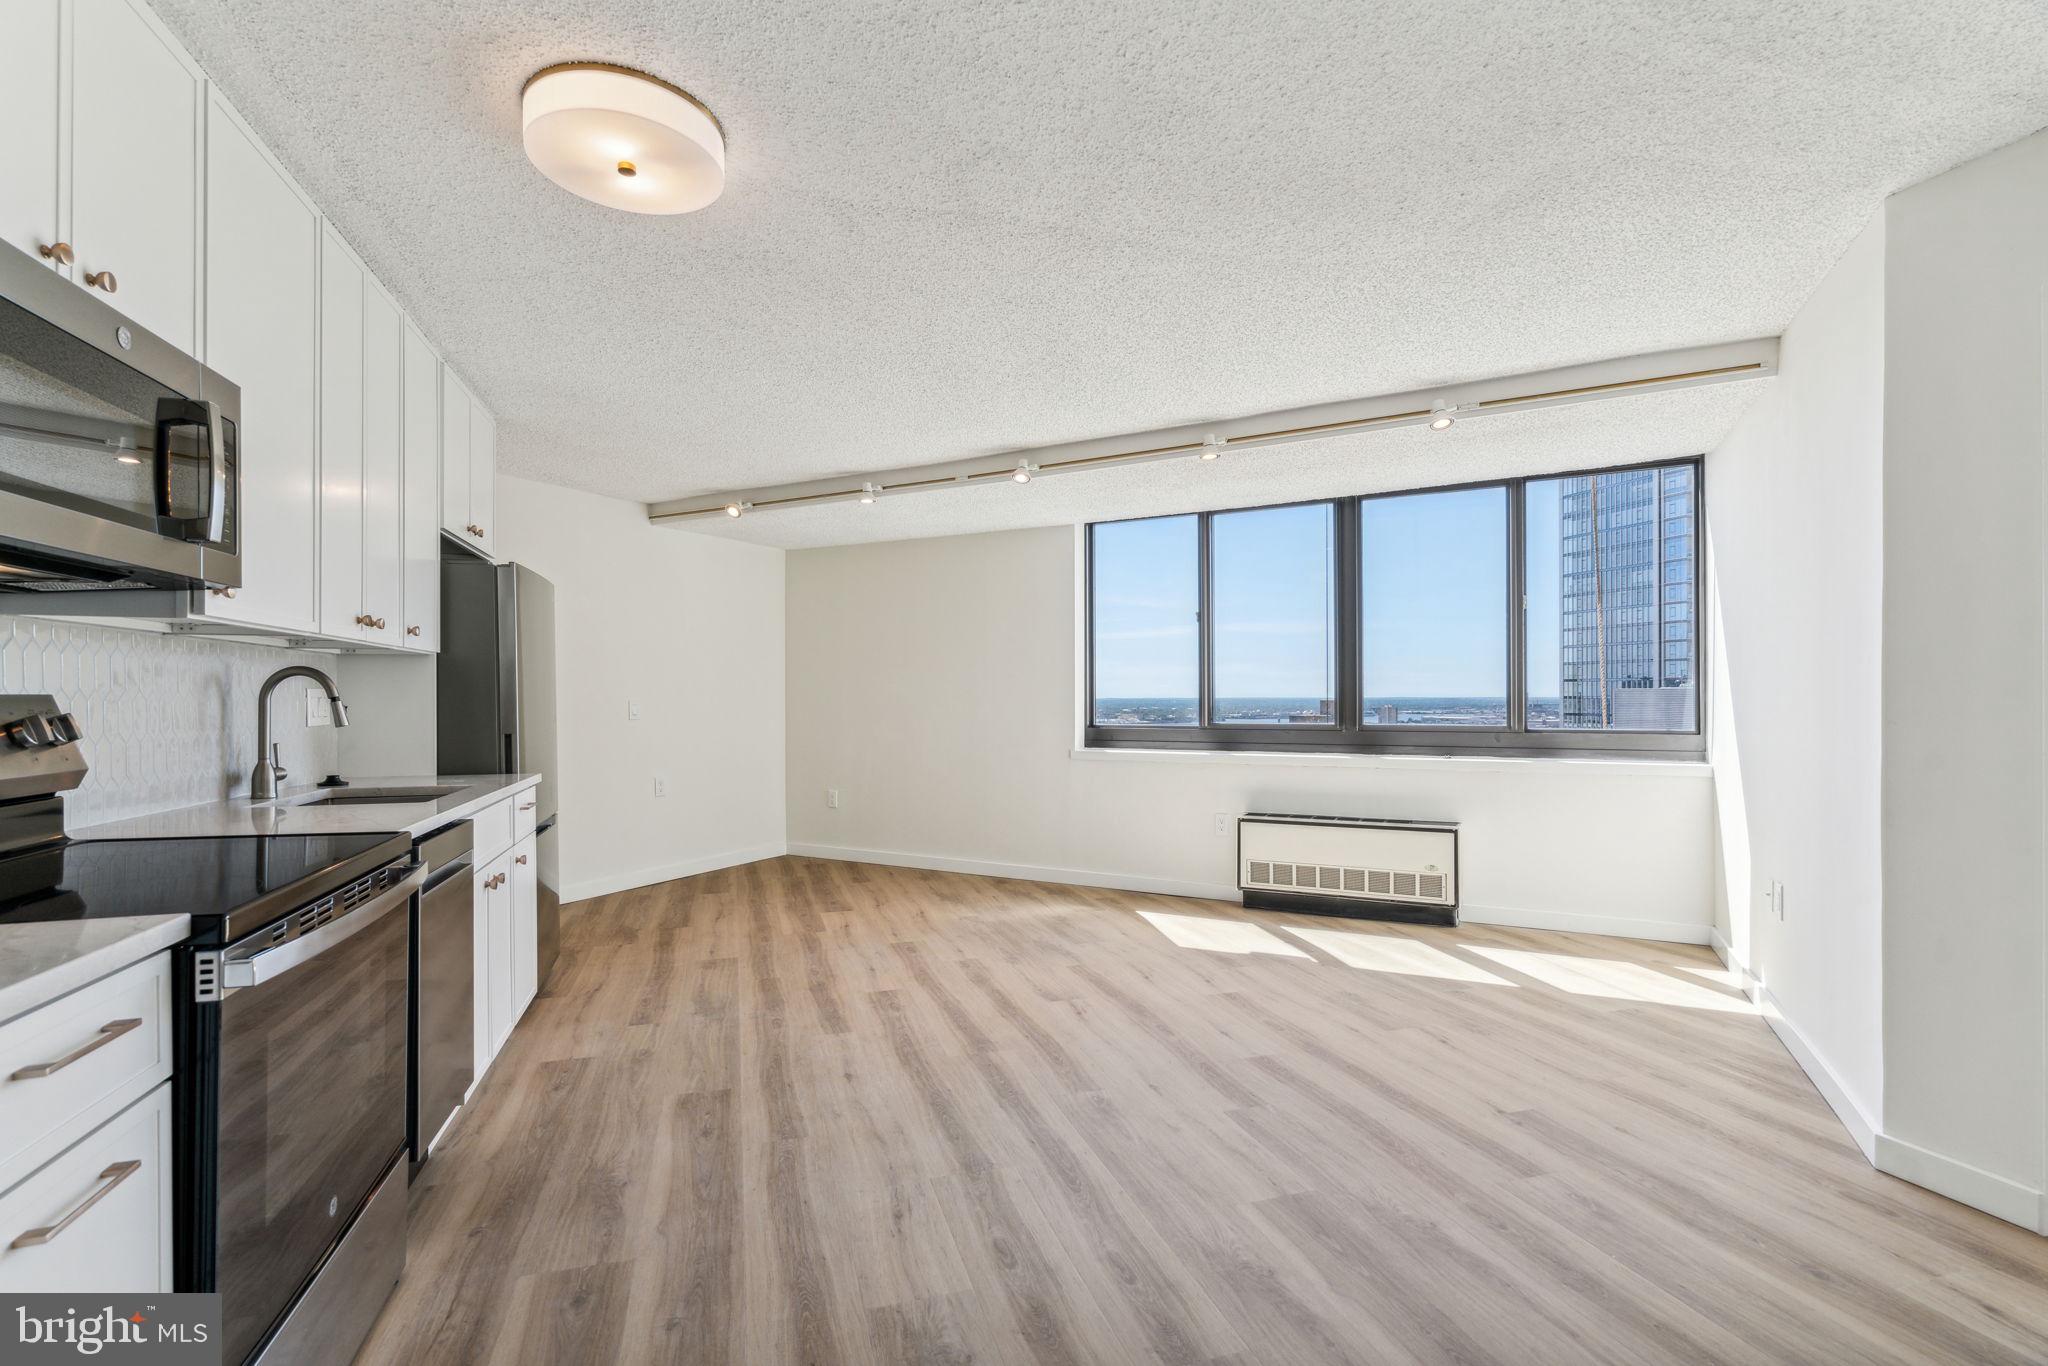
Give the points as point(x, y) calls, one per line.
point(1212, 447)
point(1443, 419)
point(735, 509)
point(868, 492)
point(1023, 474)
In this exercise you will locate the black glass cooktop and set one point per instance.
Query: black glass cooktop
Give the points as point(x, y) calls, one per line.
point(205, 878)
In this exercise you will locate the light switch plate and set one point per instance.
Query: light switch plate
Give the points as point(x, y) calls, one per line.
point(317, 713)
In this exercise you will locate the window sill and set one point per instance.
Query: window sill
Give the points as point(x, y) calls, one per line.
point(1606, 764)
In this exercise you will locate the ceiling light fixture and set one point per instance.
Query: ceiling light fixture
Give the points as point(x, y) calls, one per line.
point(1213, 446)
point(735, 509)
point(1443, 419)
point(622, 138)
point(1023, 474)
point(868, 492)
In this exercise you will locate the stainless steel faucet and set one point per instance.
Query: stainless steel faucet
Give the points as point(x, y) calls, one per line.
point(270, 774)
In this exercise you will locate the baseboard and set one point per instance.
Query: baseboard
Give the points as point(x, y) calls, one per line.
point(669, 872)
point(1023, 872)
point(1673, 931)
point(1725, 951)
point(1979, 1189)
point(1571, 922)
point(1860, 1126)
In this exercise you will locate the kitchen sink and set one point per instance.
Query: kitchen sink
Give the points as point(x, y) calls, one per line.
point(376, 796)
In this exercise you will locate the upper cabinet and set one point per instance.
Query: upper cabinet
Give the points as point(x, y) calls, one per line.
point(126, 172)
point(135, 129)
point(263, 332)
point(420, 516)
point(469, 465)
point(29, 87)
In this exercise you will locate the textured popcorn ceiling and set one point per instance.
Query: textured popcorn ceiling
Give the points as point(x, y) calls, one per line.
point(951, 229)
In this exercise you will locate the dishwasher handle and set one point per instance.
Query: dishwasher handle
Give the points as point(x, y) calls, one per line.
point(270, 964)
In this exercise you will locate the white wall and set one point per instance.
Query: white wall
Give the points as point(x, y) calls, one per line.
point(688, 626)
point(1965, 745)
point(1795, 506)
point(932, 683)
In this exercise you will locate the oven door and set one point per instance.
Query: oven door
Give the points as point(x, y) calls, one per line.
point(311, 1098)
point(118, 452)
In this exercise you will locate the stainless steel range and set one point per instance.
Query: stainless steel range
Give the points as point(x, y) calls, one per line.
point(291, 1002)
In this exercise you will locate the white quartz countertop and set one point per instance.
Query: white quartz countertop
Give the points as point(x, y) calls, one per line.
point(43, 959)
point(298, 812)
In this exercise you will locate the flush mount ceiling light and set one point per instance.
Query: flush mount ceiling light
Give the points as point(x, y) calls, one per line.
point(622, 138)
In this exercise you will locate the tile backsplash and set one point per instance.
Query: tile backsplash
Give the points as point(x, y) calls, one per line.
point(167, 720)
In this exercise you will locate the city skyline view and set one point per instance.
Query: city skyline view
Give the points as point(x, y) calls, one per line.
point(1433, 614)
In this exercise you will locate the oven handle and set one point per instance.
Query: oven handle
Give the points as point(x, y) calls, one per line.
point(271, 964)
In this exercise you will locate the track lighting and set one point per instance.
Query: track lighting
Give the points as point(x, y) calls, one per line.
point(1212, 447)
point(1443, 418)
point(735, 509)
point(868, 492)
point(1023, 474)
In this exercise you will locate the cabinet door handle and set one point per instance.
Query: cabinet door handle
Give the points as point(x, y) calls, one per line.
point(102, 279)
point(377, 622)
point(113, 1176)
point(222, 592)
point(109, 1032)
point(60, 252)
point(526, 806)
point(412, 630)
point(520, 858)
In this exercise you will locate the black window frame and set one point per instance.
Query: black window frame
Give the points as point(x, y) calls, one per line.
point(1350, 734)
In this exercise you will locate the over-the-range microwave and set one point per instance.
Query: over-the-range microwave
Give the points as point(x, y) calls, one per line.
point(117, 450)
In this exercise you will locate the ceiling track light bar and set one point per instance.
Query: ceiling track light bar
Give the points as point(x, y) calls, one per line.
point(1437, 408)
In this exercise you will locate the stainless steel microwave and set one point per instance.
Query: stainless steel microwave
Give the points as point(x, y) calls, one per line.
point(117, 450)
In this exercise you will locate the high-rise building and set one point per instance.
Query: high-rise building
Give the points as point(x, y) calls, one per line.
point(1626, 652)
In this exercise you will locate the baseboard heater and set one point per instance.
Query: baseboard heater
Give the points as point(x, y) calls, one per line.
point(1349, 865)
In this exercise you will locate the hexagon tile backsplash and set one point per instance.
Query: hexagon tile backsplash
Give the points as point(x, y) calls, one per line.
point(167, 720)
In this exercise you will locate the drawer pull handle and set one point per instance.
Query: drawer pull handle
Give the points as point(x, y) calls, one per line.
point(113, 1176)
point(526, 806)
point(109, 1032)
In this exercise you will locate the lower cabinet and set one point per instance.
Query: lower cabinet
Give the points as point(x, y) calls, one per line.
point(99, 1214)
point(506, 953)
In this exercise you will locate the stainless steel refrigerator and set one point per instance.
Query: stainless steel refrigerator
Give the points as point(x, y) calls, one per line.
point(496, 704)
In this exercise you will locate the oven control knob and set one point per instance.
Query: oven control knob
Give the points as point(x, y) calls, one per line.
point(65, 727)
point(30, 732)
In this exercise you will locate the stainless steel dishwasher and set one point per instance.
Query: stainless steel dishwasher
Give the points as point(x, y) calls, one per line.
point(443, 988)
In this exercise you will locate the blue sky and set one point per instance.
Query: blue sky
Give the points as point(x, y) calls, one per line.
point(1435, 575)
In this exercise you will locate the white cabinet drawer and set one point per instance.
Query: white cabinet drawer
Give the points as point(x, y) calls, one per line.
point(525, 811)
point(98, 1219)
point(493, 830)
point(70, 1064)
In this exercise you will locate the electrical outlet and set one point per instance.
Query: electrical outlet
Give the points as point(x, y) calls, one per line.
point(832, 797)
point(632, 710)
point(660, 786)
point(317, 713)
point(1222, 822)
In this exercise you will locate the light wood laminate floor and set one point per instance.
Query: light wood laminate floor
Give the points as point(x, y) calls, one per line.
point(811, 1112)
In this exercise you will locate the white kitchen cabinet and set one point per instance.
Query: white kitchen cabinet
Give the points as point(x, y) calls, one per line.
point(134, 168)
point(341, 439)
point(383, 466)
point(525, 890)
point(493, 958)
point(29, 86)
point(263, 332)
point(97, 1218)
point(420, 515)
point(480, 968)
point(469, 445)
point(483, 474)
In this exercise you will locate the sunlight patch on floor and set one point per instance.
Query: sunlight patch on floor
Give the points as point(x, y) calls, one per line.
point(1392, 953)
point(1614, 980)
point(1218, 935)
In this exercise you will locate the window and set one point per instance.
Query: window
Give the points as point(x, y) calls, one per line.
point(1274, 600)
point(1434, 585)
point(1145, 619)
point(1525, 615)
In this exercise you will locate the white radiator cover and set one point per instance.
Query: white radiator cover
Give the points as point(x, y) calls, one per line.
point(1403, 863)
